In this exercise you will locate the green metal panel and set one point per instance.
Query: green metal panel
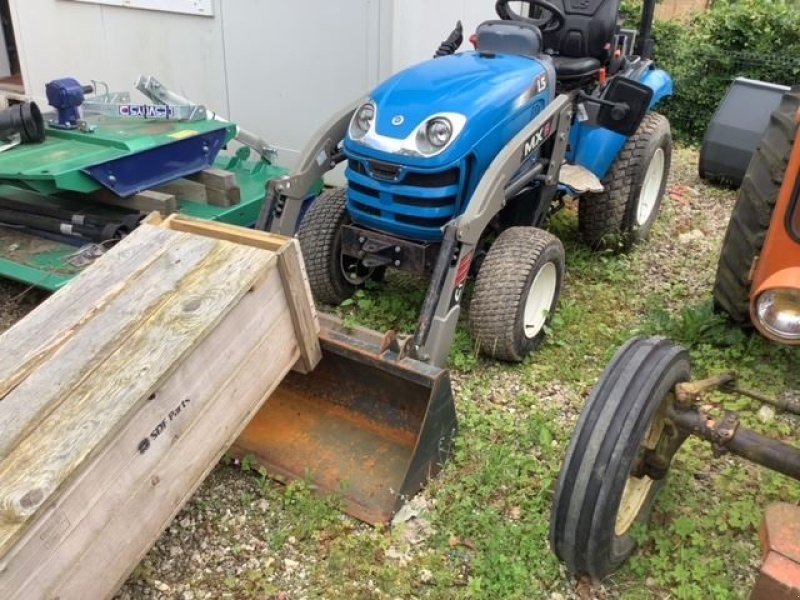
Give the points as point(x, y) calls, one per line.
point(46, 264)
point(55, 165)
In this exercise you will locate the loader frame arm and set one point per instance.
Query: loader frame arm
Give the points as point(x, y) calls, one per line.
point(433, 337)
point(283, 207)
point(437, 323)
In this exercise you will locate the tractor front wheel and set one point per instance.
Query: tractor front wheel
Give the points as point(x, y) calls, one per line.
point(624, 212)
point(618, 457)
point(516, 292)
point(333, 277)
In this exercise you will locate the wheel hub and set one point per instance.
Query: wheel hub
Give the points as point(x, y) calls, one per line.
point(354, 270)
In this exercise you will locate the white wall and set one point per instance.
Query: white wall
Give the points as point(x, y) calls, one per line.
point(278, 67)
point(61, 38)
point(291, 65)
point(421, 25)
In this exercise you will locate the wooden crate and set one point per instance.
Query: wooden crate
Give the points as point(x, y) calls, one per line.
point(121, 392)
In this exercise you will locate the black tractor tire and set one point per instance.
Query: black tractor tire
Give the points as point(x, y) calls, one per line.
point(752, 213)
point(498, 305)
point(320, 236)
point(609, 218)
point(595, 508)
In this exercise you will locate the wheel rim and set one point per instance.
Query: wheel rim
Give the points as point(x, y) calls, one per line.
point(540, 299)
point(651, 186)
point(637, 489)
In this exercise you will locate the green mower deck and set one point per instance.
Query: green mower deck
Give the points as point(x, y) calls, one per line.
point(56, 173)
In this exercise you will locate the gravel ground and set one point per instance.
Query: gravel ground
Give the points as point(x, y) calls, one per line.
point(239, 527)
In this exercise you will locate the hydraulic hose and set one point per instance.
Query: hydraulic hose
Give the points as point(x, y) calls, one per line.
point(452, 43)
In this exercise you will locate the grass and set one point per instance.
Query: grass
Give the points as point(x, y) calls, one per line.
point(485, 519)
point(497, 490)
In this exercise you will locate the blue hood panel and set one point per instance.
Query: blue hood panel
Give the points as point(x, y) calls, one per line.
point(467, 83)
point(396, 190)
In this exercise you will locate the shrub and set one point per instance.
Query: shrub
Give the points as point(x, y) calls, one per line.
point(758, 39)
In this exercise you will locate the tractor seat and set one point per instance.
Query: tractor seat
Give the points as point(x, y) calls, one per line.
point(509, 37)
point(573, 69)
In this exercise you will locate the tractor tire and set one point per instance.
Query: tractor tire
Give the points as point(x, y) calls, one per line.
point(624, 212)
point(599, 495)
point(752, 213)
point(320, 236)
point(516, 292)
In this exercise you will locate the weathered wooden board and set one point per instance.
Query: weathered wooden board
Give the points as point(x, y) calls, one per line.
point(145, 201)
point(114, 416)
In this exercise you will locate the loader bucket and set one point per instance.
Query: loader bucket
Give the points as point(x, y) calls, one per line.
point(365, 424)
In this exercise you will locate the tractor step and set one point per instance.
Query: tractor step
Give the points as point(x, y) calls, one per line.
point(580, 179)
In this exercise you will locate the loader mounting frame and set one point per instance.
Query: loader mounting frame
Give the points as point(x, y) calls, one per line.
point(436, 327)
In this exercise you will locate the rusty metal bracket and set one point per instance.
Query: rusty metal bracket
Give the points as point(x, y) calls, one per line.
point(723, 433)
point(690, 392)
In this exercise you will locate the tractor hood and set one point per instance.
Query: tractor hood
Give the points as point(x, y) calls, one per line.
point(480, 91)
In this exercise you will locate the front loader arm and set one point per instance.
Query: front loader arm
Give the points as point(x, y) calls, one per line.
point(282, 208)
point(437, 323)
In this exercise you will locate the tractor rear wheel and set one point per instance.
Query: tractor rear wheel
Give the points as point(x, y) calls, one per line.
point(516, 292)
point(333, 277)
point(618, 457)
point(624, 212)
point(753, 210)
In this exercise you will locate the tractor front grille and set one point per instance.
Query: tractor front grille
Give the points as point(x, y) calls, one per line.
point(401, 201)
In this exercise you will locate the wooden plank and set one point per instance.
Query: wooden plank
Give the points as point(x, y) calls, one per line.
point(292, 268)
point(93, 506)
point(231, 233)
point(44, 389)
point(31, 341)
point(184, 189)
point(223, 198)
point(219, 179)
point(28, 476)
point(222, 189)
point(218, 430)
point(145, 202)
point(301, 303)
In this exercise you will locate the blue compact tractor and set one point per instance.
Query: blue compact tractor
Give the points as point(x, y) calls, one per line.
point(456, 166)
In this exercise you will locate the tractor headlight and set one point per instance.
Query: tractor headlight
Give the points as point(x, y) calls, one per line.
point(438, 132)
point(778, 310)
point(362, 120)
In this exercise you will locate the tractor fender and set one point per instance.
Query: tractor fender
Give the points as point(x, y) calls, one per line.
point(596, 148)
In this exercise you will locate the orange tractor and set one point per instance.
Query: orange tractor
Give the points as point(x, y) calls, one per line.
point(758, 278)
point(645, 404)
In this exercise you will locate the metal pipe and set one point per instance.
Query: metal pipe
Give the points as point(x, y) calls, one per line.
point(646, 29)
point(727, 435)
point(519, 184)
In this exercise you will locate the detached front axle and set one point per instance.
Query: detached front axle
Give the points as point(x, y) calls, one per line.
point(726, 434)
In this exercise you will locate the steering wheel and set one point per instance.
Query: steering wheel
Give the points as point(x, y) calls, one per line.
point(552, 20)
